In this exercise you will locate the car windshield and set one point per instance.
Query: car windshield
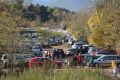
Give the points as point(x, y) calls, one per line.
point(72, 50)
point(59, 50)
point(19, 57)
point(5, 57)
point(28, 56)
point(78, 44)
point(36, 47)
point(101, 58)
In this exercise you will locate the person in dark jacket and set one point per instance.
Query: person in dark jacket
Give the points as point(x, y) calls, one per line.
point(74, 61)
point(93, 57)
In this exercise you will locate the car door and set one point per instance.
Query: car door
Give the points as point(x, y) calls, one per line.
point(103, 62)
point(109, 61)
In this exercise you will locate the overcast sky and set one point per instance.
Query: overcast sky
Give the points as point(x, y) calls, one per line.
point(73, 5)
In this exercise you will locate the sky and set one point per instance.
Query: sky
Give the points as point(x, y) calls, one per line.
point(73, 5)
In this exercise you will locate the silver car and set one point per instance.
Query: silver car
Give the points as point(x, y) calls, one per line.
point(106, 60)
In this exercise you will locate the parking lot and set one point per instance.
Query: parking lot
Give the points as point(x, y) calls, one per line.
point(58, 53)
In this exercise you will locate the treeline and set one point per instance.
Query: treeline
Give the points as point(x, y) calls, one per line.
point(46, 16)
point(37, 14)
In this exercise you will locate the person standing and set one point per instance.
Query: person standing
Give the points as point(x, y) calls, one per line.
point(93, 57)
point(80, 60)
point(74, 61)
point(115, 72)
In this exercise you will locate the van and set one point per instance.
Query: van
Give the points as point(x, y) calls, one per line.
point(16, 59)
point(106, 60)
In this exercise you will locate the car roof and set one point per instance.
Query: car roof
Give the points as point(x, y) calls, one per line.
point(87, 45)
point(111, 55)
point(108, 55)
point(78, 43)
point(106, 52)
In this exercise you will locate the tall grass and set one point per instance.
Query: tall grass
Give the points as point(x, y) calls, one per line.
point(63, 74)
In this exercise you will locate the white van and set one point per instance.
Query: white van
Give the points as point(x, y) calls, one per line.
point(106, 60)
point(16, 58)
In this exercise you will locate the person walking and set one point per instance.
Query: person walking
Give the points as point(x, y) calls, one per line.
point(93, 57)
point(74, 61)
point(80, 60)
point(115, 72)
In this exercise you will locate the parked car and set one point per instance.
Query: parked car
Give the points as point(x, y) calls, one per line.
point(53, 43)
point(58, 53)
point(58, 40)
point(106, 60)
point(46, 45)
point(78, 45)
point(106, 52)
point(71, 52)
point(17, 60)
point(87, 58)
point(71, 42)
point(27, 56)
point(40, 61)
point(37, 47)
point(89, 49)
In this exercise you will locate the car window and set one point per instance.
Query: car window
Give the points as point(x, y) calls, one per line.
point(36, 47)
point(104, 58)
point(112, 57)
point(19, 57)
point(40, 59)
point(60, 50)
point(78, 44)
point(72, 50)
point(118, 57)
point(5, 57)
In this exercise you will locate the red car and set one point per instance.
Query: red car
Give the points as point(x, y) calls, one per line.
point(40, 61)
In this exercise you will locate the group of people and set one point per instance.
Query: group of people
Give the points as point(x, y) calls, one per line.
point(80, 60)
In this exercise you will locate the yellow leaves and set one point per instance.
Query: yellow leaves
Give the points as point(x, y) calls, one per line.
point(94, 20)
point(100, 32)
point(103, 32)
point(8, 26)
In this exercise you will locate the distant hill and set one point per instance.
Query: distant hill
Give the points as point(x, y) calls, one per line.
point(47, 16)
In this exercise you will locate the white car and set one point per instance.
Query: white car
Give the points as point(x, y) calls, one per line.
point(92, 50)
point(16, 58)
point(77, 45)
point(70, 42)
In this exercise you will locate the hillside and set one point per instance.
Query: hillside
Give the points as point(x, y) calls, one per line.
point(46, 16)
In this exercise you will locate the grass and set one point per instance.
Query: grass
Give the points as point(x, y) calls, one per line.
point(64, 74)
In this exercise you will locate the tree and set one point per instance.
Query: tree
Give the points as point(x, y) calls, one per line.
point(104, 25)
point(78, 25)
